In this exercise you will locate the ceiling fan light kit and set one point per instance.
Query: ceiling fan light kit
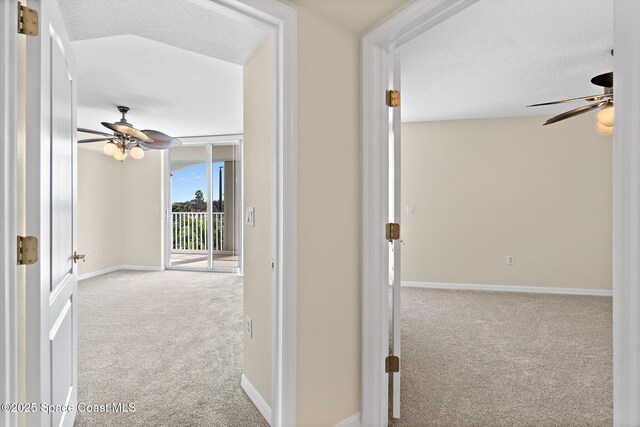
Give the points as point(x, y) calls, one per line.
point(604, 130)
point(127, 140)
point(604, 102)
point(605, 116)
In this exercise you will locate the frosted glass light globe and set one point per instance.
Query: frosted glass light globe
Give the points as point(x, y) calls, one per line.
point(137, 152)
point(604, 130)
point(120, 155)
point(110, 148)
point(605, 116)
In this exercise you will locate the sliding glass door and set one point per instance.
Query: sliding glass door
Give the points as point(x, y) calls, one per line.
point(204, 203)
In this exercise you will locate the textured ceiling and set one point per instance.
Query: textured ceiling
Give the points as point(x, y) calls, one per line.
point(495, 57)
point(172, 90)
point(355, 15)
point(195, 25)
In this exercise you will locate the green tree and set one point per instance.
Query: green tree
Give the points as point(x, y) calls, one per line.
point(199, 205)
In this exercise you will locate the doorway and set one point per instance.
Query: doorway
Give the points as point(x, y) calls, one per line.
point(204, 206)
point(279, 21)
point(378, 48)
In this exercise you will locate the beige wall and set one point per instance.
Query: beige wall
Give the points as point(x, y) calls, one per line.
point(100, 203)
point(120, 210)
point(485, 189)
point(329, 169)
point(143, 223)
point(257, 240)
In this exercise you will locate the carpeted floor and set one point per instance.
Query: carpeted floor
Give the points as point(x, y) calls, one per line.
point(489, 359)
point(170, 342)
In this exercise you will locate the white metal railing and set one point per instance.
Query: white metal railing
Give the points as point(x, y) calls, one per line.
point(190, 231)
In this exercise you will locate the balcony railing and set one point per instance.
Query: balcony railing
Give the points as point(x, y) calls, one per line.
point(190, 231)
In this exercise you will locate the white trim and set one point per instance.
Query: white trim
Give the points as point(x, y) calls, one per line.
point(97, 273)
point(118, 268)
point(626, 216)
point(256, 398)
point(509, 288)
point(352, 421)
point(376, 48)
point(8, 211)
point(141, 267)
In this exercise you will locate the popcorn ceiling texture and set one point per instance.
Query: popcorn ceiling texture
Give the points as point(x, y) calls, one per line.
point(497, 56)
point(196, 26)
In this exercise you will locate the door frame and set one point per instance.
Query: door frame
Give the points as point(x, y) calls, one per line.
point(377, 47)
point(8, 210)
point(281, 20)
point(206, 140)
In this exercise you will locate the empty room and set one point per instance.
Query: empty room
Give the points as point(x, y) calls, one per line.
point(506, 212)
point(165, 125)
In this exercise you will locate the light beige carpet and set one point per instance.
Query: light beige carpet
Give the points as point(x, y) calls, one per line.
point(490, 359)
point(170, 342)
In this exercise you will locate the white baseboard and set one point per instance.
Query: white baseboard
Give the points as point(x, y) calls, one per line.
point(142, 267)
point(510, 288)
point(98, 272)
point(352, 421)
point(117, 268)
point(255, 397)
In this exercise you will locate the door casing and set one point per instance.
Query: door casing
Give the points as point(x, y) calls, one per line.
point(377, 49)
point(8, 210)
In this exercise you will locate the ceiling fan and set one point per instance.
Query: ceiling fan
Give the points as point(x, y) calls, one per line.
point(127, 139)
point(604, 102)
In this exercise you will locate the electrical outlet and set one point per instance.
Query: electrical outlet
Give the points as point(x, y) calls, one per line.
point(248, 327)
point(95, 250)
point(409, 209)
point(510, 259)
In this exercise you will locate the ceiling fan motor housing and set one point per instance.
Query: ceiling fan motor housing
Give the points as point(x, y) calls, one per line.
point(123, 121)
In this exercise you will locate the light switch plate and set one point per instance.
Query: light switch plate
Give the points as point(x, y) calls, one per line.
point(249, 218)
point(248, 327)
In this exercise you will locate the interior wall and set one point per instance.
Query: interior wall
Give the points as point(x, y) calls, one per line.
point(258, 95)
point(329, 221)
point(485, 189)
point(120, 211)
point(100, 204)
point(144, 210)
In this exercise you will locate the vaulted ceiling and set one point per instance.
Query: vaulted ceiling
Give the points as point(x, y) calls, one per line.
point(176, 63)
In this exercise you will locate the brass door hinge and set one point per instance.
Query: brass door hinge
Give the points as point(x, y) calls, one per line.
point(27, 20)
point(392, 364)
point(393, 98)
point(393, 231)
point(27, 250)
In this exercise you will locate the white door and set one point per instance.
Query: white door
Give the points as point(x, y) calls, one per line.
point(395, 250)
point(51, 217)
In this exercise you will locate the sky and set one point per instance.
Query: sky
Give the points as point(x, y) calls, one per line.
point(185, 182)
